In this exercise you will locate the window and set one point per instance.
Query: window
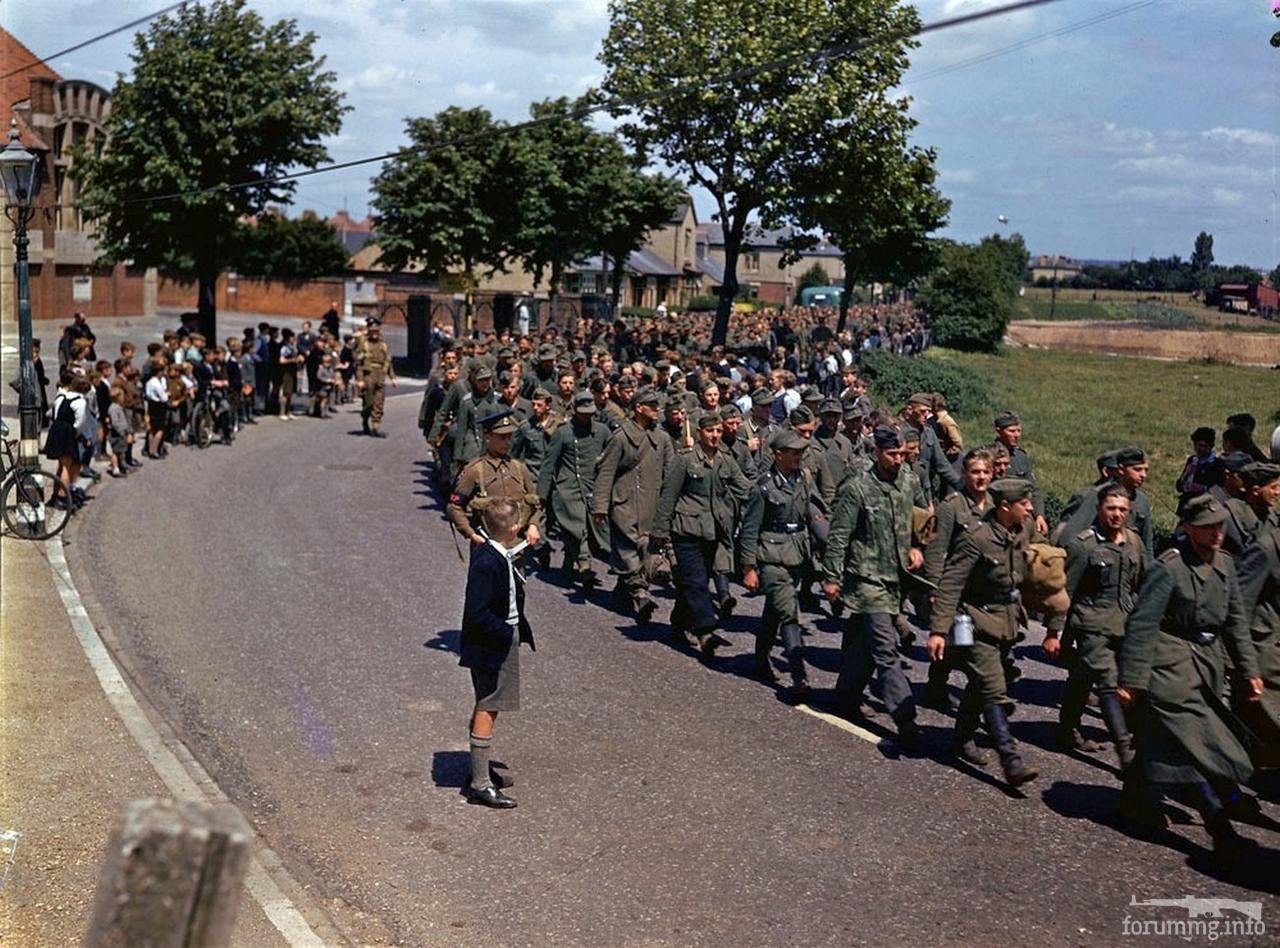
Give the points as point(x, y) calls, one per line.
point(59, 134)
point(688, 241)
point(751, 261)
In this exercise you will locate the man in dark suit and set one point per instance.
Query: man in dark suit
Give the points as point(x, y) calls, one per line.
point(493, 626)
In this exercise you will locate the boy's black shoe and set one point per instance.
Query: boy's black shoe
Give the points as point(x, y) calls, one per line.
point(490, 797)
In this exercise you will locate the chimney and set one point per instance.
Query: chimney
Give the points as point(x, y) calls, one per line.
point(41, 96)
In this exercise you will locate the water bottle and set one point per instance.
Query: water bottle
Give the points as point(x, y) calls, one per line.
point(962, 630)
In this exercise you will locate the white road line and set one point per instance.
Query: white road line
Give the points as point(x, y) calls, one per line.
point(842, 724)
point(283, 914)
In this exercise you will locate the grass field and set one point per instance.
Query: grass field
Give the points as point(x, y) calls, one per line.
point(1072, 304)
point(1075, 406)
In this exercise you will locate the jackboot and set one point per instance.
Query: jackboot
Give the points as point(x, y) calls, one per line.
point(793, 650)
point(1074, 696)
point(936, 695)
point(1117, 727)
point(1228, 845)
point(1015, 771)
point(962, 742)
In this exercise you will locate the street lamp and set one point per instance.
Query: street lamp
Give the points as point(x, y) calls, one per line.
point(21, 172)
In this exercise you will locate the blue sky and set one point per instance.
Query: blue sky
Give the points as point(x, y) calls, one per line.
point(1127, 136)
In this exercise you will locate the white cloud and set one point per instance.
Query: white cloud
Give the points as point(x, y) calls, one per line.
point(959, 176)
point(1252, 137)
point(482, 92)
point(1227, 197)
point(1153, 194)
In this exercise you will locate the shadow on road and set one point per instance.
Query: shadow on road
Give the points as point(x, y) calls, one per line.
point(446, 640)
point(450, 768)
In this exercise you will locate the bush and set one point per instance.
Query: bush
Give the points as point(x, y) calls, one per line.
point(894, 379)
point(638, 312)
point(703, 304)
point(970, 297)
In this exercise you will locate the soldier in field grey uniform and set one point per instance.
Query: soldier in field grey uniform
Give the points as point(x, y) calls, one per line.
point(625, 497)
point(565, 483)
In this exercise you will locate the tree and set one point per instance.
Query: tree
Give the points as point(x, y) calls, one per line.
point(970, 296)
point(298, 249)
point(816, 275)
point(447, 206)
point(640, 203)
point(1202, 255)
point(217, 98)
point(1274, 278)
point(738, 139)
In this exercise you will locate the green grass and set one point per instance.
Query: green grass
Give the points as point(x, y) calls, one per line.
point(1075, 406)
point(1062, 310)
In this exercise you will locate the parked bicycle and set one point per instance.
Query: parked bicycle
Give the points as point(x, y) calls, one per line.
point(34, 504)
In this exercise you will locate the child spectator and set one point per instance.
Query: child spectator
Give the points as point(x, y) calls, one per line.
point(156, 393)
point(322, 391)
point(119, 433)
point(493, 626)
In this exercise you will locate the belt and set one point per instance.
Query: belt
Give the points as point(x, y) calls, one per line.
point(1009, 599)
point(789, 529)
point(1195, 636)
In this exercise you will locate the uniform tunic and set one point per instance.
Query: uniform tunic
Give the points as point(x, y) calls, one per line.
point(1082, 510)
point(529, 444)
point(954, 515)
point(774, 540)
point(1188, 618)
point(1102, 581)
point(628, 480)
point(1259, 571)
point(870, 541)
point(375, 369)
point(484, 479)
point(567, 477)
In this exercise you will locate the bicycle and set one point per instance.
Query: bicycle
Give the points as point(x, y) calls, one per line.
point(35, 504)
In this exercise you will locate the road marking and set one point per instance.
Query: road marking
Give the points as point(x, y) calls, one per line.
point(842, 724)
point(282, 913)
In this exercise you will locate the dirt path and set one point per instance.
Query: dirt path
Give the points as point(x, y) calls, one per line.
point(1233, 348)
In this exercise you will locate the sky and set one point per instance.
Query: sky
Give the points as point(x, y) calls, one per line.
point(1123, 137)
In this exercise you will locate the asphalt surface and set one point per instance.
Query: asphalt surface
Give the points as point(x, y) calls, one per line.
point(273, 598)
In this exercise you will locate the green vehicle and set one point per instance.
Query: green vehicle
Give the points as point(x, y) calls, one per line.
point(821, 295)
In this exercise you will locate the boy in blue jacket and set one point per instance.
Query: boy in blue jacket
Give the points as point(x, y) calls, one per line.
point(493, 626)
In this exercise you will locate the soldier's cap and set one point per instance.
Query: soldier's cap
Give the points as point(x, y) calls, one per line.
point(505, 377)
point(482, 371)
point(674, 403)
point(810, 393)
point(662, 364)
point(830, 406)
point(1203, 511)
point(506, 352)
point(625, 381)
point(1130, 455)
point(887, 437)
point(1204, 433)
point(921, 398)
point(910, 434)
point(1007, 419)
point(709, 419)
point(850, 410)
point(800, 416)
point(730, 411)
point(785, 439)
point(546, 352)
point(709, 384)
point(499, 422)
point(646, 395)
point(578, 356)
point(1010, 489)
point(584, 404)
point(762, 396)
point(1107, 460)
point(540, 394)
point(1234, 461)
point(1259, 473)
point(372, 322)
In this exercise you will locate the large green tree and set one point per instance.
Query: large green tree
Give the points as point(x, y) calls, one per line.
point(447, 202)
point(278, 247)
point(1202, 252)
point(217, 97)
point(738, 139)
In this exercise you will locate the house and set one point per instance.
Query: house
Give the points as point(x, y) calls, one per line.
point(760, 266)
point(1255, 298)
point(54, 117)
point(1054, 267)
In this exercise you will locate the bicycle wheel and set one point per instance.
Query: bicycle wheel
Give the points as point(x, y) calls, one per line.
point(28, 507)
point(201, 427)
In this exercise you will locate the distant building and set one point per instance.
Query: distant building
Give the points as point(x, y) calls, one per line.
point(1054, 267)
point(760, 267)
point(55, 116)
point(1256, 298)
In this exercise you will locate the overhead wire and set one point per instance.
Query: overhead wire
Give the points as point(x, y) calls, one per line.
point(613, 103)
point(95, 39)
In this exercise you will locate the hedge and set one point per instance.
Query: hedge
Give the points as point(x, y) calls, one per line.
point(894, 378)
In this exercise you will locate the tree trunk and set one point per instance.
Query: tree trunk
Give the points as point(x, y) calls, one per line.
point(616, 277)
point(207, 306)
point(729, 289)
point(553, 291)
point(844, 299)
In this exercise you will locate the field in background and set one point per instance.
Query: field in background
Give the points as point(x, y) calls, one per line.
point(1075, 406)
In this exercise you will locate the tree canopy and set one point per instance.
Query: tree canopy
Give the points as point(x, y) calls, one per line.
point(970, 295)
point(739, 139)
point(297, 249)
point(217, 97)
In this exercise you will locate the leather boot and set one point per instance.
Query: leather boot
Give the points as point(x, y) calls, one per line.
point(1015, 771)
point(1074, 696)
point(1228, 845)
point(1138, 807)
point(793, 649)
point(1117, 727)
point(936, 695)
point(962, 742)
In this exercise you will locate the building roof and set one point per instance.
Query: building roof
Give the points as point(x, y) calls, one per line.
point(15, 87)
point(638, 262)
point(767, 238)
point(713, 269)
point(1049, 261)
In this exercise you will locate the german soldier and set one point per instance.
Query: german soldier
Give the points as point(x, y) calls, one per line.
point(565, 483)
point(1082, 510)
point(981, 580)
point(1008, 426)
point(774, 546)
point(480, 402)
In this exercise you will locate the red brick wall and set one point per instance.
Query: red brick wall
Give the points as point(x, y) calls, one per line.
point(116, 292)
point(308, 298)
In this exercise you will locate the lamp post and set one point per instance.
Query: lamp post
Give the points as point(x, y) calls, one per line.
point(21, 172)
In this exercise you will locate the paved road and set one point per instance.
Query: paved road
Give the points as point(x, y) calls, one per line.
point(273, 599)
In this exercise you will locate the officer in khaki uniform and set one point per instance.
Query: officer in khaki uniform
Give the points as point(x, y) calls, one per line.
point(373, 371)
point(868, 553)
point(700, 493)
point(1189, 618)
point(774, 546)
point(565, 483)
point(495, 475)
point(982, 579)
point(1104, 570)
point(630, 475)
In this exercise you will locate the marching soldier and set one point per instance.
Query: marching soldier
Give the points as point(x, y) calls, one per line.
point(619, 406)
point(732, 442)
point(495, 474)
point(837, 449)
point(544, 375)
point(1241, 522)
point(980, 581)
point(700, 492)
point(940, 476)
point(1189, 617)
point(1259, 569)
point(565, 483)
point(774, 547)
point(480, 402)
point(1104, 569)
point(1131, 473)
point(868, 552)
point(626, 497)
point(373, 371)
point(1009, 436)
point(534, 434)
point(759, 426)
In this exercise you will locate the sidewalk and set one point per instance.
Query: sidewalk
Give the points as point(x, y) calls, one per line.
point(67, 765)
